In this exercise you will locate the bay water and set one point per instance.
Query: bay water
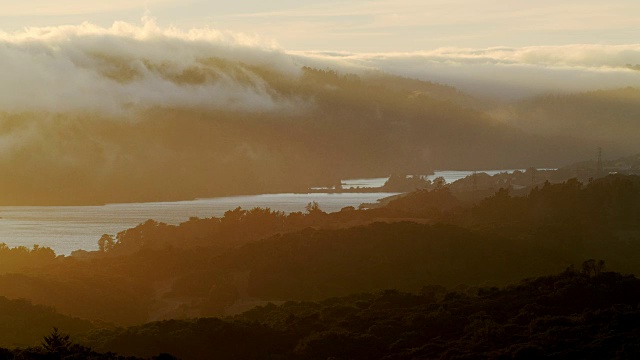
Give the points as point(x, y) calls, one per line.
point(69, 228)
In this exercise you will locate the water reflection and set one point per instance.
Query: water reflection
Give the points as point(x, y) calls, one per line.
point(68, 228)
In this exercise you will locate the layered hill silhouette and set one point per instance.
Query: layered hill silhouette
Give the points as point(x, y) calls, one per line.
point(582, 312)
point(575, 314)
point(427, 263)
point(222, 266)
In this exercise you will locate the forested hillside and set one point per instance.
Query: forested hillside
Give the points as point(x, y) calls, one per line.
point(427, 242)
point(583, 312)
point(218, 266)
point(321, 126)
point(589, 314)
point(607, 117)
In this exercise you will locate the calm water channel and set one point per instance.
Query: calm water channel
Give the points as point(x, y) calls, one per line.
point(69, 228)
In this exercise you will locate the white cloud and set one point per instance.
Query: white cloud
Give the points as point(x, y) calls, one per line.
point(504, 72)
point(364, 25)
point(128, 67)
point(71, 68)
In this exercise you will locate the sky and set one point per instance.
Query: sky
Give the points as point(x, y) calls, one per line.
point(360, 25)
point(494, 48)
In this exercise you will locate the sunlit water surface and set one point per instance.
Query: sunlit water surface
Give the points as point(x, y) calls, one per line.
point(69, 228)
point(448, 175)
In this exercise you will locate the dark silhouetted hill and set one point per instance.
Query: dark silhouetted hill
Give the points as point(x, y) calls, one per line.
point(221, 266)
point(23, 324)
point(575, 314)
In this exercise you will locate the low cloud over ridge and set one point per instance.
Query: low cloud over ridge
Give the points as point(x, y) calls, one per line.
point(505, 72)
point(125, 67)
point(216, 113)
point(128, 66)
point(109, 70)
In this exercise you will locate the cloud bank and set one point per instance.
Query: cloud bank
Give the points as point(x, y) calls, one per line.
point(128, 67)
point(125, 66)
point(503, 72)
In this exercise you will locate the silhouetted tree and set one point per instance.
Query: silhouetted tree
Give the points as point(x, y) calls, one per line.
point(56, 342)
point(106, 242)
point(313, 208)
point(592, 268)
point(439, 182)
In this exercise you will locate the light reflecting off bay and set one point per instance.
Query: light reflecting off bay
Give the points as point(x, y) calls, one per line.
point(69, 228)
point(448, 175)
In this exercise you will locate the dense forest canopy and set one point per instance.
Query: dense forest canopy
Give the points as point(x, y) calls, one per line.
point(582, 312)
point(217, 266)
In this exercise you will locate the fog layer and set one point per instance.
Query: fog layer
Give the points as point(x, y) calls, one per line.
point(142, 113)
point(89, 68)
point(505, 72)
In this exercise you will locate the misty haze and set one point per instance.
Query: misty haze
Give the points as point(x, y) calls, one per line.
point(303, 180)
